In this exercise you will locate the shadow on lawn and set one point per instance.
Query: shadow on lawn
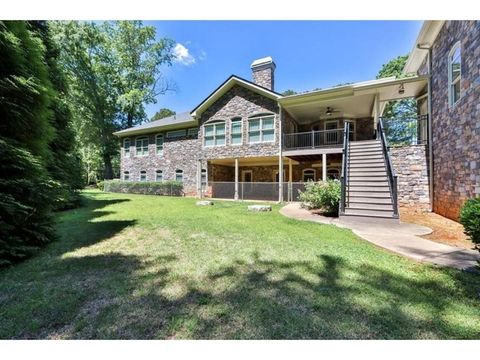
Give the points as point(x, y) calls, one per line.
point(259, 299)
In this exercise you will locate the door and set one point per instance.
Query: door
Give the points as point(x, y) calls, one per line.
point(247, 176)
point(331, 133)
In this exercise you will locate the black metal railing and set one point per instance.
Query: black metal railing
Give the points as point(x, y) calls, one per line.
point(406, 130)
point(313, 139)
point(392, 176)
point(344, 175)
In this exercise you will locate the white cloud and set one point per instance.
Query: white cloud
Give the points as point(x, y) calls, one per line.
point(182, 55)
point(203, 55)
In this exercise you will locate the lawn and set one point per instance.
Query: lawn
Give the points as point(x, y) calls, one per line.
point(143, 267)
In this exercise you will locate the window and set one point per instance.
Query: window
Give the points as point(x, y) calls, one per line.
point(141, 145)
point(454, 74)
point(261, 129)
point(143, 175)
point(214, 134)
point(179, 175)
point(236, 131)
point(192, 132)
point(204, 177)
point(126, 147)
point(126, 176)
point(333, 173)
point(159, 175)
point(176, 134)
point(159, 143)
point(308, 175)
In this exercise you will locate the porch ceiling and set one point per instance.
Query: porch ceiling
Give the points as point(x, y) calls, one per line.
point(248, 161)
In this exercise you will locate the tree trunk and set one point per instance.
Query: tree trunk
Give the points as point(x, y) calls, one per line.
point(129, 119)
point(107, 164)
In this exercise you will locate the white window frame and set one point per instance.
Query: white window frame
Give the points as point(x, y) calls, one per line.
point(142, 172)
point(247, 172)
point(309, 169)
point(175, 134)
point(235, 120)
point(178, 171)
point(157, 151)
point(141, 138)
point(126, 173)
point(452, 82)
point(125, 153)
point(261, 130)
point(214, 124)
point(158, 171)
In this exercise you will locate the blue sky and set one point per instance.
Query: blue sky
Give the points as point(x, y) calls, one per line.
point(308, 54)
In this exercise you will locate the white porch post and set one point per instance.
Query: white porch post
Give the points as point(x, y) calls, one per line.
point(280, 179)
point(280, 157)
point(290, 177)
point(236, 179)
point(199, 179)
point(324, 167)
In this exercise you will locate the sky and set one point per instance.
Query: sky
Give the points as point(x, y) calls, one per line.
point(308, 54)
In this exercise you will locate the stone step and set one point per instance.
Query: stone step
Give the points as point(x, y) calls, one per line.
point(370, 206)
point(369, 200)
point(368, 213)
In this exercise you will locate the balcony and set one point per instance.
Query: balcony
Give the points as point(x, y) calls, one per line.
point(313, 140)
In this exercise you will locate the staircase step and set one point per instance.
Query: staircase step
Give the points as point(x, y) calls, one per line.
point(357, 186)
point(364, 142)
point(363, 161)
point(363, 156)
point(365, 151)
point(367, 167)
point(369, 213)
point(373, 179)
point(370, 194)
point(369, 199)
point(364, 172)
point(365, 146)
point(369, 206)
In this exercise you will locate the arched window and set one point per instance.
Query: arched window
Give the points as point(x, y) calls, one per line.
point(261, 128)
point(126, 147)
point(308, 175)
point(143, 175)
point(214, 133)
point(159, 175)
point(159, 144)
point(179, 175)
point(141, 146)
point(204, 177)
point(333, 173)
point(126, 176)
point(236, 131)
point(454, 74)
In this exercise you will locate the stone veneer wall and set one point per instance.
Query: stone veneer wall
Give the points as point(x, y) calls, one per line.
point(456, 130)
point(178, 154)
point(411, 166)
point(243, 103)
point(264, 76)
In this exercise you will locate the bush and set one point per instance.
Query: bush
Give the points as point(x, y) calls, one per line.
point(470, 219)
point(169, 188)
point(324, 195)
point(101, 185)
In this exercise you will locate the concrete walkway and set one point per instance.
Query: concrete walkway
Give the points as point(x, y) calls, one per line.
point(401, 238)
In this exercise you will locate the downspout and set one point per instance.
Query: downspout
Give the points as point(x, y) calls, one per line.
point(429, 122)
point(280, 158)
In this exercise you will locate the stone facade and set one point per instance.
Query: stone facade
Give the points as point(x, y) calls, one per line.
point(411, 166)
point(456, 129)
point(264, 75)
point(178, 154)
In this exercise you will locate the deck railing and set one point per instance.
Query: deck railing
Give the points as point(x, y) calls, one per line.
point(313, 139)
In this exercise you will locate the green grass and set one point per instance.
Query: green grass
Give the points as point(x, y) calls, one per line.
point(133, 266)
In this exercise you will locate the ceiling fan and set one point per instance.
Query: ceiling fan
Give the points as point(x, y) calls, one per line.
point(329, 111)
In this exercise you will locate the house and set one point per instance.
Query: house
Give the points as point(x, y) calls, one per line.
point(246, 141)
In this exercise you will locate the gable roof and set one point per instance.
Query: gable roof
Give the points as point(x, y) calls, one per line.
point(179, 120)
point(427, 35)
point(227, 85)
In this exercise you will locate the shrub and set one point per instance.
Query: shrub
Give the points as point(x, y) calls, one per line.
point(470, 219)
point(170, 188)
point(101, 185)
point(324, 195)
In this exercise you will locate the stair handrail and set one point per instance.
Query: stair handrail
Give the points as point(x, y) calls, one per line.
point(392, 175)
point(344, 175)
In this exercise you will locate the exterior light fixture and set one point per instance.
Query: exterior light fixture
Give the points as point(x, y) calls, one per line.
point(328, 112)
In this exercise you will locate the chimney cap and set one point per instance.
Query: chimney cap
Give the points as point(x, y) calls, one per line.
point(263, 62)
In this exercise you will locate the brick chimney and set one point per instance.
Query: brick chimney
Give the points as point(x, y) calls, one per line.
point(263, 71)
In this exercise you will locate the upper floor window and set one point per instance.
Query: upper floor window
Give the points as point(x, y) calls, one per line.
point(214, 134)
point(192, 132)
point(159, 175)
point(179, 175)
point(141, 146)
point(159, 143)
point(126, 176)
point(143, 175)
point(236, 131)
point(126, 147)
point(176, 134)
point(261, 129)
point(454, 74)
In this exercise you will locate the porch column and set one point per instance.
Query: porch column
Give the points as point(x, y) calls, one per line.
point(290, 177)
point(199, 179)
point(280, 179)
point(324, 167)
point(236, 180)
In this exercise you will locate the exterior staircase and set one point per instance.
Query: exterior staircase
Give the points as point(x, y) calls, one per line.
point(368, 190)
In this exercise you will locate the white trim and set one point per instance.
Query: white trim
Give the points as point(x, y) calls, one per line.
point(236, 119)
point(156, 175)
point(143, 137)
point(247, 172)
point(156, 145)
point(126, 173)
point(214, 123)
point(179, 171)
point(309, 169)
point(261, 130)
point(129, 147)
point(451, 83)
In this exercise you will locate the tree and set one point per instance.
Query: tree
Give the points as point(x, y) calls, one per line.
point(26, 130)
point(289, 92)
point(400, 115)
point(162, 113)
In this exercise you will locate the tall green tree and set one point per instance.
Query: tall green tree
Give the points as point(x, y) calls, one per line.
point(399, 116)
point(162, 113)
